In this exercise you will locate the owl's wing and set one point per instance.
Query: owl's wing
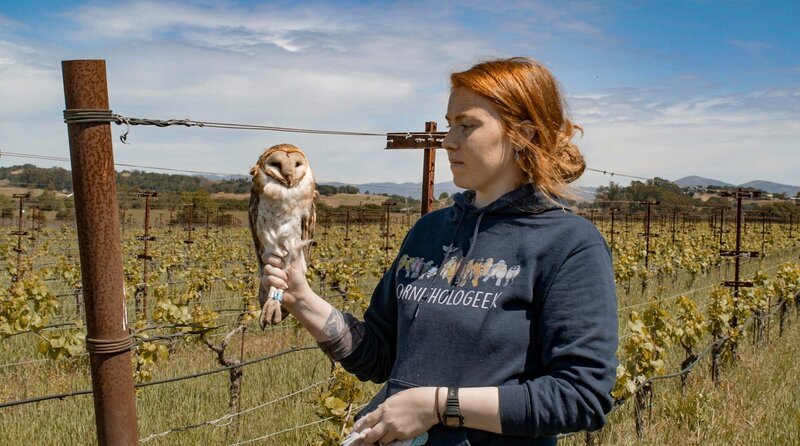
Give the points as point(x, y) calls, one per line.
point(252, 214)
point(309, 223)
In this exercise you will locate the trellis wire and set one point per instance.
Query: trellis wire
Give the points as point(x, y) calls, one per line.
point(283, 431)
point(228, 417)
point(62, 396)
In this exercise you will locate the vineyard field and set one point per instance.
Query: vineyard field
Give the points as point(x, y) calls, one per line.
point(199, 292)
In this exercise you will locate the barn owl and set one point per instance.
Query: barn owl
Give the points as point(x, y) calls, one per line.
point(282, 214)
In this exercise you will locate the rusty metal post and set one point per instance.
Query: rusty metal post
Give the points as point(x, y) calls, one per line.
point(428, 170)
point(96, 214)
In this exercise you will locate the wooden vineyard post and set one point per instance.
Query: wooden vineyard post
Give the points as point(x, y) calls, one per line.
point(145, 257)
point(764, 232)
point(32, 214)
point(386, 248)
point(674, 216)
point(190, 226)
point(96, 213)
point(647, 235)
point(429, 140)
point(20, 232)
point(613, 214)
point(428, 172)
point(122, 220)
point(347, 228)
point(737, 255)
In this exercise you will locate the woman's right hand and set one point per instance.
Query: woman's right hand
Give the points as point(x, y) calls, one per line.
point(291, 280)
point(311, 311)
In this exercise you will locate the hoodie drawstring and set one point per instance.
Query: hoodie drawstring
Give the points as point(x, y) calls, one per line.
point(472, 244)
point(474, 235)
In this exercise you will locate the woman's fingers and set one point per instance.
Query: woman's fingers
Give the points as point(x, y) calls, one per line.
point(270, 270)
point(275, 261)
point(270, 280)
point(375, 434)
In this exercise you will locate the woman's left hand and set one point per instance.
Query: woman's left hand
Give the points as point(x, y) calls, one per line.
point(401, 417)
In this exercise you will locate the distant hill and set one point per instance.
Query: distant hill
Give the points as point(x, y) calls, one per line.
point(699, 181)
point(767, 186)
point(586, 192)
point(774, 188)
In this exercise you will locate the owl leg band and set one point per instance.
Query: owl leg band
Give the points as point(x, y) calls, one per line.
point(276, 294)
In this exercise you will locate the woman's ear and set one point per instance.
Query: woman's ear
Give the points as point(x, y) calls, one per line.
point(527, 129)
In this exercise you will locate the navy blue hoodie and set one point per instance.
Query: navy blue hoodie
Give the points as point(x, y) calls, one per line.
point(518, 294)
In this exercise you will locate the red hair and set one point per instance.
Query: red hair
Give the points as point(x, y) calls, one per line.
point(522, 89)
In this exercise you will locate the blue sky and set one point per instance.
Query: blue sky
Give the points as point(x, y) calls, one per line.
point(669, 89)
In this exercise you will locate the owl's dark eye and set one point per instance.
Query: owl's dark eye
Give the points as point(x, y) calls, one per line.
point(298, 164)
point(275, 165)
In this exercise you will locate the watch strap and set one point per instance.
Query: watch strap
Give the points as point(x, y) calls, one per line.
point(452, 412)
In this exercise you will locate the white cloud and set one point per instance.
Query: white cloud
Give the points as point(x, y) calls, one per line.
point(751, 45)
point(27, 85)
point(6, 24)
point(738, 138)
point(365, 69)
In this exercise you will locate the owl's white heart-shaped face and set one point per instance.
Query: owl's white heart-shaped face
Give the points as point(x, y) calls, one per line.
point(287, 167)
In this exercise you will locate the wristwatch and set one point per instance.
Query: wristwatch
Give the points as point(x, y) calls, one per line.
point(452, 413)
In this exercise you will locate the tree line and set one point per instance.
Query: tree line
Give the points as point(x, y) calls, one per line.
point(670, 195)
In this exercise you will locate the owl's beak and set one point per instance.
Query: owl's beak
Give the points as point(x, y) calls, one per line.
point(290, 180)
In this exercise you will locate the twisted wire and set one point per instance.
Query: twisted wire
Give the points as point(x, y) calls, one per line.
point(87, 116)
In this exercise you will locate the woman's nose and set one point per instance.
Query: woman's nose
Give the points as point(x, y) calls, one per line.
point(449, 141)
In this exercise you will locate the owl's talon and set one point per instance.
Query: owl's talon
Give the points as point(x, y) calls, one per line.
point(271, 313)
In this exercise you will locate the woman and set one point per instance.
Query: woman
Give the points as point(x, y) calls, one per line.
point(507, 334)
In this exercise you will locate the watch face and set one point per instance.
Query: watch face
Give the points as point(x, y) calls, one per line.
point(451, 421)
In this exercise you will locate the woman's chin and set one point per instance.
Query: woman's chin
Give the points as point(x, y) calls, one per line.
point(462, 183)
